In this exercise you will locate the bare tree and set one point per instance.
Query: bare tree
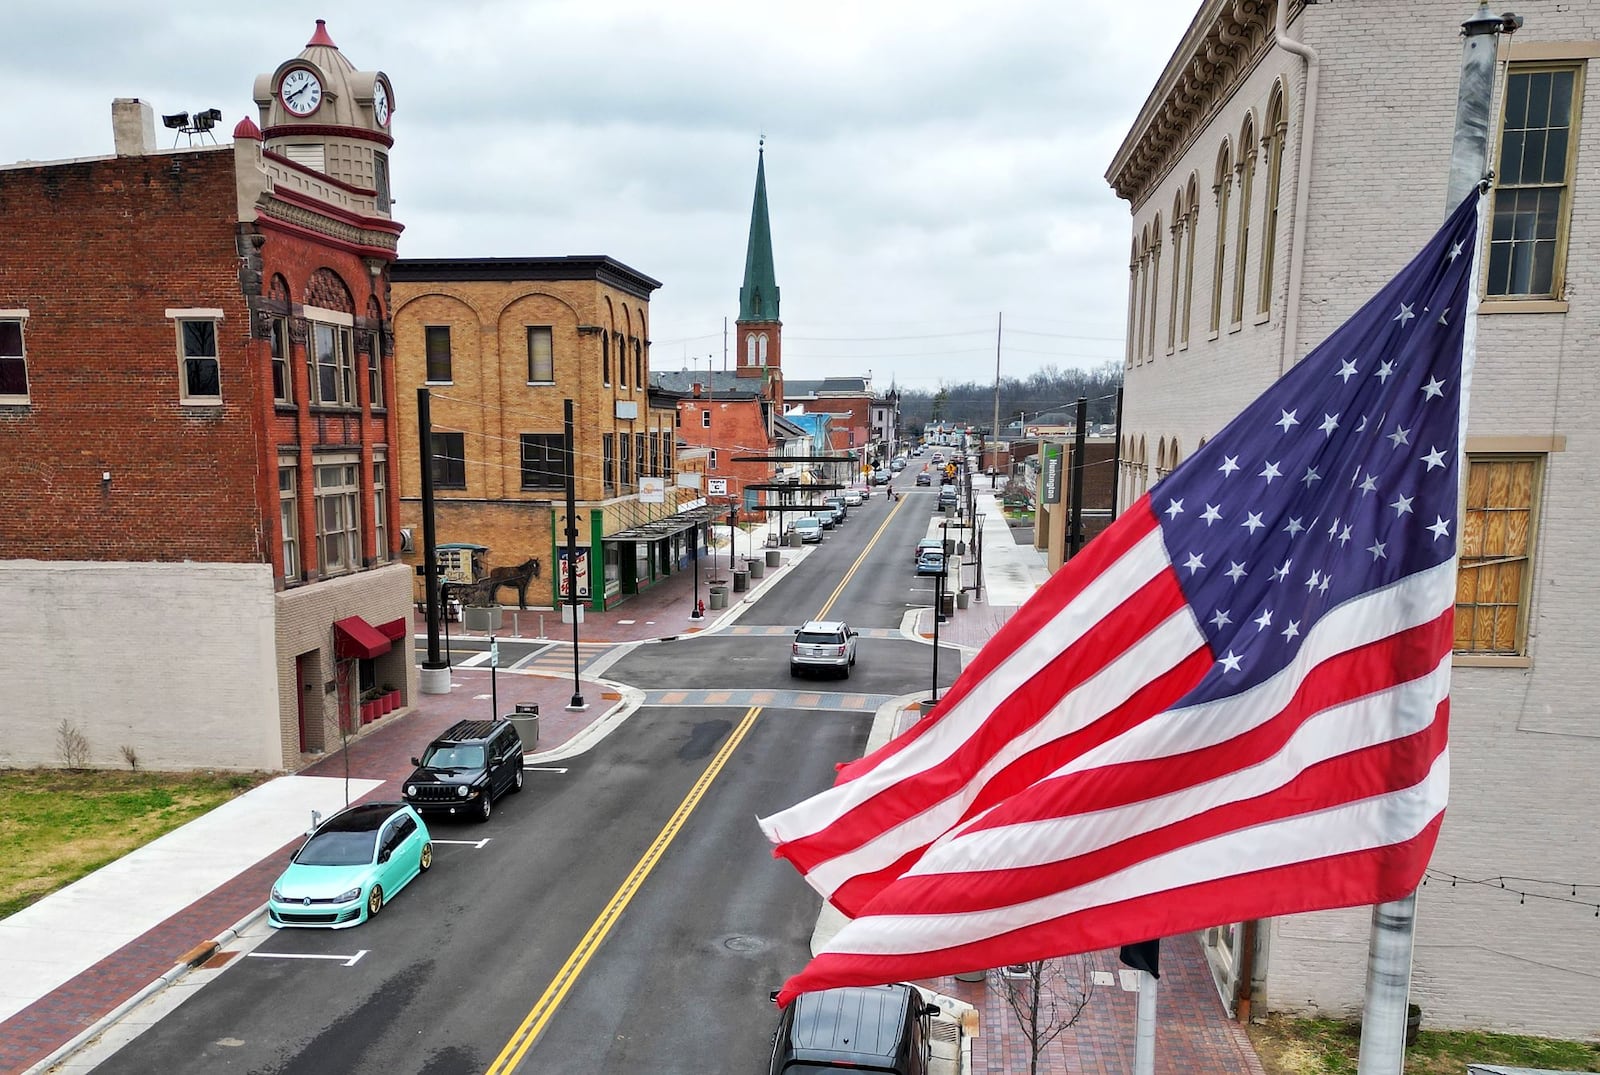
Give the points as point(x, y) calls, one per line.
point(1046, 997)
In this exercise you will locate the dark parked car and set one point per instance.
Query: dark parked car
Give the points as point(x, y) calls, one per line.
point(468, 767)
point(878, 1028)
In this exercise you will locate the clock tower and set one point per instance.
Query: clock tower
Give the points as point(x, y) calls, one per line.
point(319, 112)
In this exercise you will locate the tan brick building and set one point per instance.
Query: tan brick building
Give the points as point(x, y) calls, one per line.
point(1289, 159)
point(501, 344)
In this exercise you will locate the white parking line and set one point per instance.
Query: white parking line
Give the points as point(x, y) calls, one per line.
point(479, 844)
point(542, 769)
point(349, 961)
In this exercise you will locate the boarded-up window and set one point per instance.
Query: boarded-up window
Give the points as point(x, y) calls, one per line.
point(1496, 554)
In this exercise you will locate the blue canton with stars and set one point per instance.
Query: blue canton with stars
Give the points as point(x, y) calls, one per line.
point(1339, 480)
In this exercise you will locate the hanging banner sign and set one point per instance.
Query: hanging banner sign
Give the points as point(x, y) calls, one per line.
point(652, 490)
point(716, 486)
point(583, 573)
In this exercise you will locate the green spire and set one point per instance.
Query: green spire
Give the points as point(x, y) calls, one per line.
point(758, 298)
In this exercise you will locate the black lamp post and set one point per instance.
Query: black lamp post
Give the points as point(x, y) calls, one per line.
point(694, 554)
point(572, 556)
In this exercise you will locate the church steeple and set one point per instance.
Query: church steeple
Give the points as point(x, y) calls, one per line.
point(758, 298)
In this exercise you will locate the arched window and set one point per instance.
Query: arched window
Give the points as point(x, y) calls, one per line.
point(1144, 290)
point(1277, 128)
point(1161, 458)
point(1142, 471)
point(1155, 285)
point(1193, 200)
point(750, 350)
point(761, 350)
point(1133, 297)
point(1223, 181)
point(1177, 272)
point(1241, 249)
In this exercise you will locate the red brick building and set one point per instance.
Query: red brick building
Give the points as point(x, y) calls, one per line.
point(196, 487)
point(730, 419)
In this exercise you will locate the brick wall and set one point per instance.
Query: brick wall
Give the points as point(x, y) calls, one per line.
point(737, 429)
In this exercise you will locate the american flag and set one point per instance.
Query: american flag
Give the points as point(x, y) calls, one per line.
point(1231, 705)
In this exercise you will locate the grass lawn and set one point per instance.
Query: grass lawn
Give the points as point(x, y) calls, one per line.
point(1329, 1046)
point(58, 825)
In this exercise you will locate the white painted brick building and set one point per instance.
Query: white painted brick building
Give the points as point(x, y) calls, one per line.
point(1365, 124)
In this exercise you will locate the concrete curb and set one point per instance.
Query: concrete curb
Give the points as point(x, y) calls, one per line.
point(191, 959)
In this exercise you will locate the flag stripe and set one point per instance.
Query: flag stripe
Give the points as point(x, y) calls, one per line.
point(1345, 880)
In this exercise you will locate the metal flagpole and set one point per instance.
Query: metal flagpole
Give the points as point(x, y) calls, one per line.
point(1393, 931)
point(1144, 1038)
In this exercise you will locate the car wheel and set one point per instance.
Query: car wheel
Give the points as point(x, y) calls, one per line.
point(425, 860)
point(844, 672)
point(374, 901)
point(516, 781)
point(794, 672)
point(486, 803)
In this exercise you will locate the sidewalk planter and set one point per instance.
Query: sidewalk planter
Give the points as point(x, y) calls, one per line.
point(794, 539)
point(962, 598)
point(485, 618)
point(369, 712)
point(774, 559)
point(393, 697)
point(719, 596)
point(757, 565)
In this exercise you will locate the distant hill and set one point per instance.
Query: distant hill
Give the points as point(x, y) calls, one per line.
point(1051, 392)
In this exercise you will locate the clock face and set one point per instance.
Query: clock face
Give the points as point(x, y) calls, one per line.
point(301, 91)
point(380, 103)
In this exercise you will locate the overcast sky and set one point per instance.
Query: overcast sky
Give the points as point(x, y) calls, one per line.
point(929, 164)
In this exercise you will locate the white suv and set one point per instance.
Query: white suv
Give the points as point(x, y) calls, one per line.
point(823, 644)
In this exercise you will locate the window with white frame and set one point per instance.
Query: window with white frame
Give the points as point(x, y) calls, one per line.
point(380, 508)
point(705, 419)
point(199, 368)
point(289, 520)
point(541, 355)
point(711, 463)
point(282, 381)
point(375, 371)
point(13, 359)
point(338, 517)
point(331, 365)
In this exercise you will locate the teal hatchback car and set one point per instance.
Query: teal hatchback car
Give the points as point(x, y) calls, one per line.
point(351, 865)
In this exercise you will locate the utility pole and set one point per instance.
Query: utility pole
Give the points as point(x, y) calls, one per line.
point(572, 554)
point(994, 471)
point(1079, 449)
point(435, 671)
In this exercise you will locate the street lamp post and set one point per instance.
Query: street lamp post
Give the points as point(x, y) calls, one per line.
point(694, 552)
point(572, 555)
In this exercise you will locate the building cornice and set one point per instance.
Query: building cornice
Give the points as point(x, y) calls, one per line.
point(597, 267)
point(1226, 41)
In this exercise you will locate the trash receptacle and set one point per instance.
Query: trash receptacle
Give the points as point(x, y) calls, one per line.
point(948, 606)
point(719, 597)
point(526, 720)
point(962, 598)
point(741, 580)
point(757, 565)
point(794, 539)
point(774, 558)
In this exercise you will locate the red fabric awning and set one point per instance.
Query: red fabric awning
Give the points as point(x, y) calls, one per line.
point(355, 637)
point(394, 630)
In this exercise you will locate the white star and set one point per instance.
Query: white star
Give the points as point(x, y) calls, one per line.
point(1334, 529)
point(1229, 465)
point(1344, 536)
point(1310, 476)
point(1347, 370)
point(1283, 571)
point(1236, 570)
point(1434, 458)
point(1288, 420)
point(1376, 549)
point(1385, 371)
point(1264, 620)
point(1369, 486)
point(1402, 505)
point(1174, 508)
point(1194, 563)
point(1221, 619)
point(1330, 422)
point(1230, 663)
point(1294, 527)
point(1211, 514)
point(1400, 436)
point(1270, 471)
point(1327, 580)
point(1455, 251)
point(1433, 388)
point(1444, 315)
point(1440, 528)
point(1253, 522)
point(1290, 631)
point(1362, 428)
point(1404, 315)
point(1311, 582)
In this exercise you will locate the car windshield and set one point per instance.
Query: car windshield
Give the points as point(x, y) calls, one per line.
point(819, 638)
point(452, 756)
point(338, 849)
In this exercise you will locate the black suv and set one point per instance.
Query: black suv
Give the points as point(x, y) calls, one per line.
point(880, 1028)
point(466, 769)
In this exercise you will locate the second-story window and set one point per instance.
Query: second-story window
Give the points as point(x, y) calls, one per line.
point(289, 520)
point(200, 376)
point(449, 461)
point(436, 344)
point(713, 461)
point(380, 509)
point(541, 357)
point(608, 443)
point(543, 461)
point(13, 360)
point(705, 419)
point(338, 519)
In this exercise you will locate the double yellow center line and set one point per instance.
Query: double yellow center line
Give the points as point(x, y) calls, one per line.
point(534, 1022)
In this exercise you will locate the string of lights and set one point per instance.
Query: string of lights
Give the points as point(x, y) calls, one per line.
point(1521, 887)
